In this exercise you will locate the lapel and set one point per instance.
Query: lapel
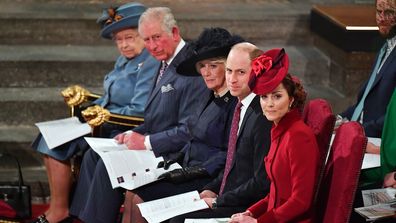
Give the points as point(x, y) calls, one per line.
point(106, 96)
point(168, 75)
point(248, 113)
point(385, 66)
point(205, 105)
point(153, 88)
point(110, 78)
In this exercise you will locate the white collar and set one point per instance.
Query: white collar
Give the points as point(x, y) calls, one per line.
point(248, 99)
point(177, 50)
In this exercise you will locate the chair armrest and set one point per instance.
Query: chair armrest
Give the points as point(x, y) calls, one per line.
point(96, 116)
point(76, 95)
point(125, 120)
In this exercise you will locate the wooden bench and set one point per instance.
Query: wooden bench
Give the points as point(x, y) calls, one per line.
point(348, 35)
point(349, 27)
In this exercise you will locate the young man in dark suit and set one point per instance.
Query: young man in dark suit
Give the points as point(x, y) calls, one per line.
point(244, 178)
point(171, 105)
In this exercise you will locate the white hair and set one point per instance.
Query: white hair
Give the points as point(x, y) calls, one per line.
point(162, 14)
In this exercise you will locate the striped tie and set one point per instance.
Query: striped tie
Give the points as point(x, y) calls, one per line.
point(162, 71)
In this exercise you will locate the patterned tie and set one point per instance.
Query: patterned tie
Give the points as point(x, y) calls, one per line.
point(164, 65)
point(359, 106)
point(231, 144)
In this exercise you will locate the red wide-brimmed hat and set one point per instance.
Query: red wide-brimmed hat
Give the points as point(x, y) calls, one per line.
point(268, 71)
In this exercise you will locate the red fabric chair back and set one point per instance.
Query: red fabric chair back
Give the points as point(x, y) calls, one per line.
point(341, 174)
point(319, 116)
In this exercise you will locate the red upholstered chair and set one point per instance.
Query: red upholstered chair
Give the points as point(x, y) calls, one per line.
point(341, 174)
point(319, 116)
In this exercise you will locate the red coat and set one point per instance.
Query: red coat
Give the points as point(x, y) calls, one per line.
point(292, 165)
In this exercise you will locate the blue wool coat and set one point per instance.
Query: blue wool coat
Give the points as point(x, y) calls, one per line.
point(126, 89)
point(127, 86)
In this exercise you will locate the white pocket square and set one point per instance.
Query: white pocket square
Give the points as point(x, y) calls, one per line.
point(167, 88)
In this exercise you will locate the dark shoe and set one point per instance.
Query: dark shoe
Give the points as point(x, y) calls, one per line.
point(67, 220)
point(40, 219)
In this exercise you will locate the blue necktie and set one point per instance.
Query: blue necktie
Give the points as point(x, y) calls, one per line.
point(359, 107)
point(164, 65)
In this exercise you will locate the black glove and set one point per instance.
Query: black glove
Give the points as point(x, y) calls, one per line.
point(79, 109)
point(77, 113)
point(184, 174)
point(178, 158)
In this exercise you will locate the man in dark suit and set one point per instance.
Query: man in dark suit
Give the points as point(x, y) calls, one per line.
point(375, 94)
point(204, 156)
point(170, 107)
point(244, 179)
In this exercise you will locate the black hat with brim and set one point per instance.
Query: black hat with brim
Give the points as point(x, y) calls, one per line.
point(212, 43)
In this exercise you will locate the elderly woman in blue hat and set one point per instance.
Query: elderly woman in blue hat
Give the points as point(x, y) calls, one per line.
point(126, 90)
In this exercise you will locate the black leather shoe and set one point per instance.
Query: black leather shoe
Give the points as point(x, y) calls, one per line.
point(40, 219)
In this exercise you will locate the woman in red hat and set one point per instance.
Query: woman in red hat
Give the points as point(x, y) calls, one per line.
point(292, 163)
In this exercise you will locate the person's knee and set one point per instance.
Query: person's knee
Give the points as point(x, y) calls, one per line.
point(90, 157)
point(177, 219)
point(100, 166)
point(88, 164)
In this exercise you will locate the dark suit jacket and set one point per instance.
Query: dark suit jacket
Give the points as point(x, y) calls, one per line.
point(377, 100)
point(169, 108)
point(247, 181)
point(208, 148)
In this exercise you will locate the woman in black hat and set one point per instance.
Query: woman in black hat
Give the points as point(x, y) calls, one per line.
point(126, 90)
point(204, 156)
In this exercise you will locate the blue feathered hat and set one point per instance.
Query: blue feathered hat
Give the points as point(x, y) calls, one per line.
point(115, 19)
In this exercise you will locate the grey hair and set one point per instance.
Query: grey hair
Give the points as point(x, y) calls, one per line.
point(162, 14)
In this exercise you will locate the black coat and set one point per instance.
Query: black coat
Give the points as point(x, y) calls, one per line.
point(247, 181)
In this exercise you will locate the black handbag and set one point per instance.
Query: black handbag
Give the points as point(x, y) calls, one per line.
point(16, 196)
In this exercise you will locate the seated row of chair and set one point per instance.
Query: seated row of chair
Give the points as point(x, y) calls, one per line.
point(338, 179)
